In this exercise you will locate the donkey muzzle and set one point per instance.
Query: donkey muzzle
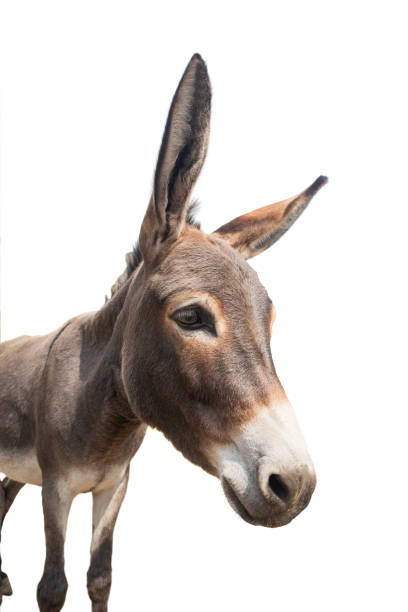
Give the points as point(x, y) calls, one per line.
point(265, 470)
point(268, 496)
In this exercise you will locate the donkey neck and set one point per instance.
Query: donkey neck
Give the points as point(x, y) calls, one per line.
point(104, 321)
point(103, 393)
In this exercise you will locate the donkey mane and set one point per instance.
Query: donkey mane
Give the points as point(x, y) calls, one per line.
point(135, 257)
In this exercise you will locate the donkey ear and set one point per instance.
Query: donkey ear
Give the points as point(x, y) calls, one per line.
point(181, 157)
point(253, 233)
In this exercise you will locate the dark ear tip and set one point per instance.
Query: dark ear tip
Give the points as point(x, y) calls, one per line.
point(314, 187)
point(197, 58)
point(199, 65)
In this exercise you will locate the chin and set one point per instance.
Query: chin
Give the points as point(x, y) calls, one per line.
point(271, 521)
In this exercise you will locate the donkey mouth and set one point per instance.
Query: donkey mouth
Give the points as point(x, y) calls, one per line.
point(236, 503)
point(277, 519)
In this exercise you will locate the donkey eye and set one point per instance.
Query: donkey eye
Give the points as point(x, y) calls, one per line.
point(194, 318)
point(188, 317)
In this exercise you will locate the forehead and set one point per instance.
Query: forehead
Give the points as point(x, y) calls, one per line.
point(201, 262)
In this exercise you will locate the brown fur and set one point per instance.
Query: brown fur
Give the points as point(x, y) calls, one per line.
point(75, 404)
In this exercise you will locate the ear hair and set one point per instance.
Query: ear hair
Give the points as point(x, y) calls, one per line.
point(181, 157)
point(254, 232)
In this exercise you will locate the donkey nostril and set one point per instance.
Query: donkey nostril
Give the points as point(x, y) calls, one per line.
point(279, 487)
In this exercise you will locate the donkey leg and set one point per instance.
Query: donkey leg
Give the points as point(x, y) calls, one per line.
point(11, 488)
point(8, 492)
point(5, 587)
point(106, 505)
point(52, 588)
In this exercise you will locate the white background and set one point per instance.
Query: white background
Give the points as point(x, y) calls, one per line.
point(300, 89)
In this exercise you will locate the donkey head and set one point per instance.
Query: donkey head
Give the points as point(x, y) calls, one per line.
point(196, 360)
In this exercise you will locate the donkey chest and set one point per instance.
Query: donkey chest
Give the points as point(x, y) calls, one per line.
point(83, 479)
point(105, 466)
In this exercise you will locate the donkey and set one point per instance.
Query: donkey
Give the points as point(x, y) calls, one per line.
point(182, 345)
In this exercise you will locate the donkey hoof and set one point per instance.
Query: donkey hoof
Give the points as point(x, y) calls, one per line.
point(5, 586)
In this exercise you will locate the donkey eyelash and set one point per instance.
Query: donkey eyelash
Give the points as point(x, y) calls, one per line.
point(193, 318)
